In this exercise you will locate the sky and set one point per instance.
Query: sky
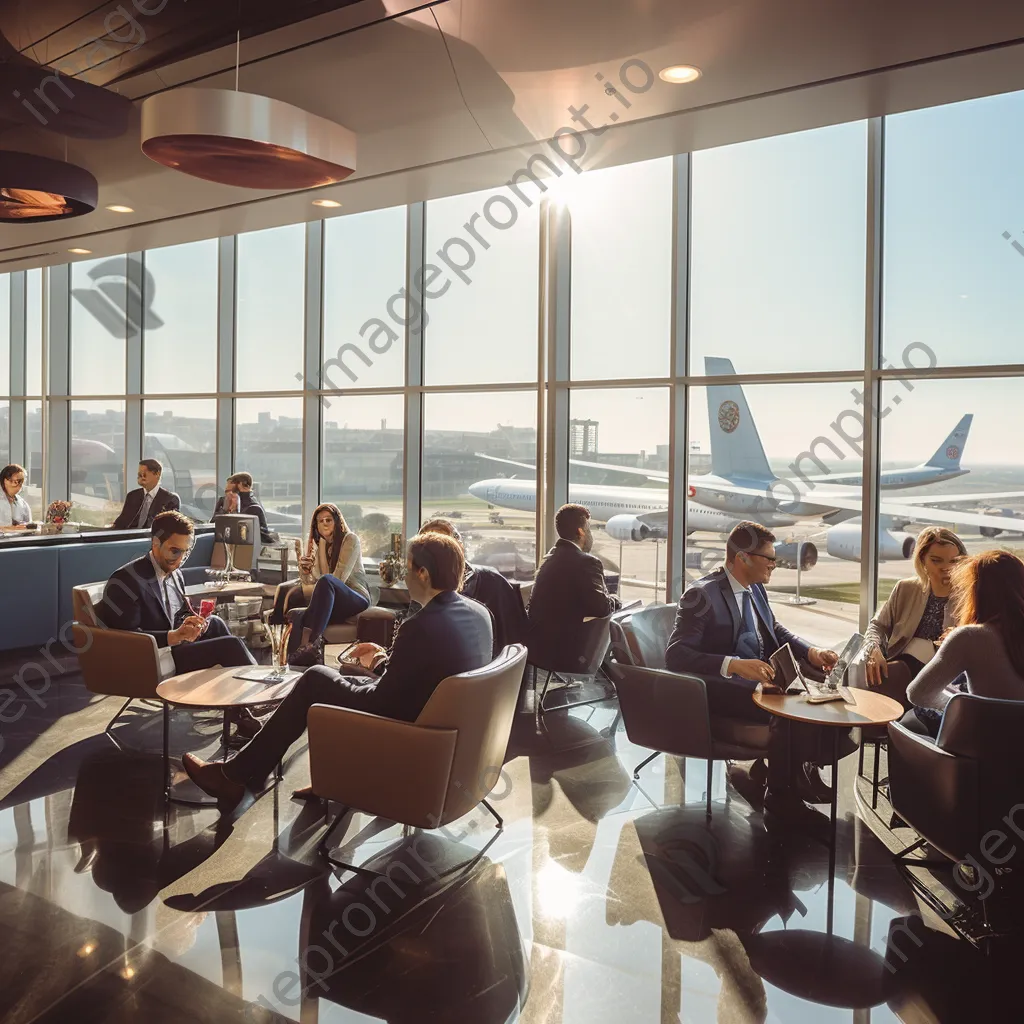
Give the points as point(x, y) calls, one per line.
point(777, 282)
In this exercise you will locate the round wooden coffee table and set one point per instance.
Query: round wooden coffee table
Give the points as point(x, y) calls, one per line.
point(857, 708)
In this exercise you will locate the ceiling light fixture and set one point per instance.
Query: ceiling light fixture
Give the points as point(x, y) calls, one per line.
point(36, 188)
point(329, 203)
point(242, 139)
point(679, 74)
point(117, 208)
point(80, 252)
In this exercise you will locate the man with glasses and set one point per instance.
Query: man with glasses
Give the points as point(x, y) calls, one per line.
point(725, 631)
point(148, 596)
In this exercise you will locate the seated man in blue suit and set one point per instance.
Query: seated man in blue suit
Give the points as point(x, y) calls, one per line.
point(725, 631)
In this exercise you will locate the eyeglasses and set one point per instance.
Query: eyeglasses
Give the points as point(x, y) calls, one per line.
point(768, 558)
point(179, 552)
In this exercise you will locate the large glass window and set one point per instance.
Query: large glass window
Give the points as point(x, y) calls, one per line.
point(5, 335)
point(627, 428)
point(96, 460)
point(621, 271)
point(476, 450)
point(481, 288)
point(794, 440)
point(268, 444)
point(180, 318)
point(99, 326)
point(270, 309)
point(32, 492)
point(362, 465)
point(183, 435)
point(34, 332)
point(778, 243)
point(5, 431)
point(954, 236)
point(364, 314)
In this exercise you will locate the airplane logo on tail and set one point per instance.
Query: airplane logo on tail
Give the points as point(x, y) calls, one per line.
point(728, 416)
point(952, 452)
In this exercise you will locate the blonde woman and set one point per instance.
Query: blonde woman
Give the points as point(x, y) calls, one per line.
point(902, 635)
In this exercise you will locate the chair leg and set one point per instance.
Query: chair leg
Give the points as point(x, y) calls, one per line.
point(860, 756)
point(497, 817)
point(711, 768)
point(538, 705)
point(106, 732)
point(167, 758)
point(643, 764)
point(874, 780)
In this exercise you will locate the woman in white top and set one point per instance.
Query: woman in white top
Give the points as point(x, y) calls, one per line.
point(14, 510)
point(333, 582)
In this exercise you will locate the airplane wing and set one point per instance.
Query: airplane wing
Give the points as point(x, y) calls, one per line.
point(654, 475)
point(949, 499)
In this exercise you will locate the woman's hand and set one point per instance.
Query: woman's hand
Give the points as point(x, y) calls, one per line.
point(876, 667)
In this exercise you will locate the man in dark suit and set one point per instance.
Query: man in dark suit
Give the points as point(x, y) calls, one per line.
point(448, 635)
point(569, 588)
point(240, 484)
point(148, 596)
point(725, 631)
point(148, 500)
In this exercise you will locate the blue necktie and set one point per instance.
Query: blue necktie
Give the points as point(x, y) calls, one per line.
point(749, 644)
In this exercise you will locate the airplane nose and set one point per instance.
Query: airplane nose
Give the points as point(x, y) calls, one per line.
point(477, 489)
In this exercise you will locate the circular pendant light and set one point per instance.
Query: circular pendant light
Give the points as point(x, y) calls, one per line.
point(239, 138)
point(36, 189)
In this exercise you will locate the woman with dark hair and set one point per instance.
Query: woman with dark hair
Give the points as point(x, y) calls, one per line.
point(14, 510)
point(333, 584)
point(901, 637)
point(987, 648)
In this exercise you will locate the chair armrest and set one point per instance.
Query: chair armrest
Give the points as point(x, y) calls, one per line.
point(381, 766)
point(116, 662)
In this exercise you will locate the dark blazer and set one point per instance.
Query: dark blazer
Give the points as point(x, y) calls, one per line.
point(131, 600)
point(485, 584)
point(163, 501)
point(708, 625)
point(247, 506)
point(569, 587)
point(452, 634)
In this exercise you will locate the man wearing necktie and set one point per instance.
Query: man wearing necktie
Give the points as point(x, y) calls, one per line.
point(148, 500)
point(726, 632)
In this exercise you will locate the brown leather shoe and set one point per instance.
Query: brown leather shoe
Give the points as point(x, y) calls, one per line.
point(210, 778)
point(304, 793)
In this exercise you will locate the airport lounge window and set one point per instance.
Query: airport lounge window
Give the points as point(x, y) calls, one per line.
point(34, 332)
point(32, 492)
point(624, 433)
point(954, 235)
point(974, 451)
point(363, 438)
point(96, 460)
point(804, 467)
point(481, 303)
point(99, 326)
point(268, 444)
point(778, 252)
point(479, 458)
point(621, 270)
point(182, 435)
point(270, 309)
point(364, 329)
point(5, 367)
point(179, 318)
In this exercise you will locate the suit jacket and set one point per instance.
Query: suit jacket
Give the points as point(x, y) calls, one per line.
point(485, 584)
point(247, 506)
point(163, 501)
point(569, 587)
point(708, 624)
point(131, 601)
point(452, 634)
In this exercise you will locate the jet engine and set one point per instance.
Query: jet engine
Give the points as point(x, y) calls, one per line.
point(844, 542)
point(1006, 513)
point(628, 528)
point(786, 555)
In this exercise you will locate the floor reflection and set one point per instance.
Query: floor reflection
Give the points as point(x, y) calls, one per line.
point(599, 901)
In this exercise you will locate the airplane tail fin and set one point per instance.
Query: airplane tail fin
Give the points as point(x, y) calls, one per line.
point(949, 453)
point(736, 448)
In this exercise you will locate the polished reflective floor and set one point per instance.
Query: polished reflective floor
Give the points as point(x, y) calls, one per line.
point(600, 900)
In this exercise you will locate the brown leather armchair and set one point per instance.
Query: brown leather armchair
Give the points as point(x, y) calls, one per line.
point(668, 712)
point(648, 632)
point(425, 773)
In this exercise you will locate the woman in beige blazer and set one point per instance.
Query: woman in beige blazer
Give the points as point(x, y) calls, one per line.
point(902, 636)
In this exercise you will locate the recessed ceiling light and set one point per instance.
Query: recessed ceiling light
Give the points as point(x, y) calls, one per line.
point(331, 203)
point(679, 74)
point(117, 208)
point(80, 252)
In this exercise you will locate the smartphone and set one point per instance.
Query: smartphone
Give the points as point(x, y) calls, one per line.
point(206, 607)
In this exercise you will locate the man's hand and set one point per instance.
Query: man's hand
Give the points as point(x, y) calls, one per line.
point(189, 630)
point(876, 667)
point(822, 659)
point(751, 669)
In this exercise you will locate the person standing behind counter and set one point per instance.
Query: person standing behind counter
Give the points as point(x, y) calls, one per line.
point(14, 510)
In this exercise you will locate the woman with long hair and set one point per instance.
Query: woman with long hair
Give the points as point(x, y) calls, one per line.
point(331, 583)
point(987, 648)
point(901, 637)
point(14, 510)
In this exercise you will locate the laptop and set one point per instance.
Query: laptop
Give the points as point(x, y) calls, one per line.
point(791, 680)
point(847, 656)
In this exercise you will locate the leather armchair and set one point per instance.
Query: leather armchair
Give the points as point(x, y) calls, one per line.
point(649, 632)
point(668, 712)
point(953, 790)
point(424, 773)
point(596, 640)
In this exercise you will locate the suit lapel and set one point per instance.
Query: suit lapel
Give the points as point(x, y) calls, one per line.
point(767, 619)
point(725, 586)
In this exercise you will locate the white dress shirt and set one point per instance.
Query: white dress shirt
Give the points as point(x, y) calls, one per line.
point(147, 504)
point(738, 590)
point(172, 600)
point(13, 513)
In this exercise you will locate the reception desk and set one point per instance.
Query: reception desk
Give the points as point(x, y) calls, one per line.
point(37, 573)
